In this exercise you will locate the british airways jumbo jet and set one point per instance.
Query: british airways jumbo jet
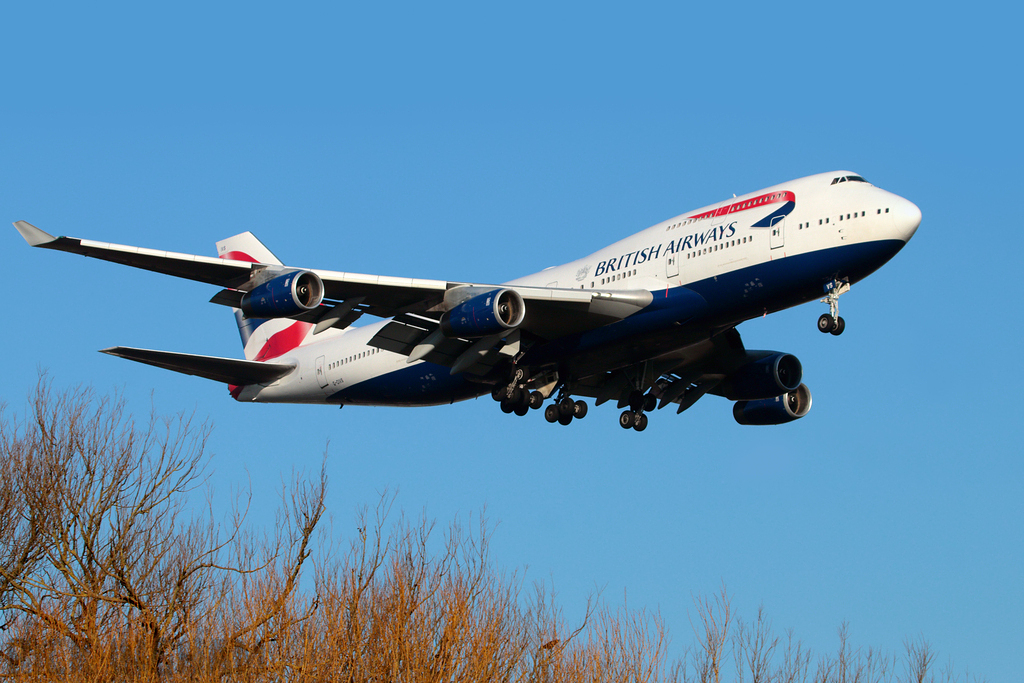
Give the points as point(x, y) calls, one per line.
point(648, 322)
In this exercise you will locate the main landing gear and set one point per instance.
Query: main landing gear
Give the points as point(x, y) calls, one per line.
point(565, 410)
point(639, 403)
point(516, 398)
point(831, 322)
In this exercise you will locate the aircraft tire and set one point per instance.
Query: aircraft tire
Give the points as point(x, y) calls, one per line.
point(536, 400)
point(507, 406)
point(826, 323)
point(551, 413)
point(521, 410)
point(650, 402)
point(566, 406)
point(840, 326)
point(579, 410)
point(626, 419)
point(641, 423)
point(565, 420)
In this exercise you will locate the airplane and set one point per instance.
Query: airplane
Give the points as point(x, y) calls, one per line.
point(649, 321)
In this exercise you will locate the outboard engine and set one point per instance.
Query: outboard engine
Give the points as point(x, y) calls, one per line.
point(774, 411)
point(772, 375)
point(286, 295)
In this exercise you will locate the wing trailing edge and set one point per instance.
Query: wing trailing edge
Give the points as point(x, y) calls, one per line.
point(226, 370)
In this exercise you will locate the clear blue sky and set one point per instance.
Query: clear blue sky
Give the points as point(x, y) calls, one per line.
point(483, 144)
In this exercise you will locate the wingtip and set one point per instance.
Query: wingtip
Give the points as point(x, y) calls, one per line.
point(33, 235)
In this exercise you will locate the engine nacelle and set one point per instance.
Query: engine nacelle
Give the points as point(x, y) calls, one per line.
point(774, 411)
point(286, 295)
point(767, 377)
point(485, 314)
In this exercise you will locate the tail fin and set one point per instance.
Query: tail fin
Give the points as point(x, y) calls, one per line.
point(261, 339)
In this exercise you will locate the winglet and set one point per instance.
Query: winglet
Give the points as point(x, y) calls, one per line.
point(33, 235)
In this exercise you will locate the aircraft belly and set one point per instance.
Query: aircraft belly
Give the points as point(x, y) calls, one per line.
point(731, 298)
point(418, 384)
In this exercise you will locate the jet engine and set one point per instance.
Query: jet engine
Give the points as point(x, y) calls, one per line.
point(771, 375)
point(485, 314)
point(286, 295)
point(774, 411)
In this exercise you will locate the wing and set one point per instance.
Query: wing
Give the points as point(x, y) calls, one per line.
point(682, 377)
point(551, 312)
point(227, 370)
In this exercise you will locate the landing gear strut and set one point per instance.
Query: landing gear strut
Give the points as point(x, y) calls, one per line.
point(831, 322)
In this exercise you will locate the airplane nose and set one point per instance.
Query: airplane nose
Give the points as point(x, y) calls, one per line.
point(906, 218)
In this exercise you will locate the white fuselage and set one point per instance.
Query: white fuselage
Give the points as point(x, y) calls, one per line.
point(817, 221)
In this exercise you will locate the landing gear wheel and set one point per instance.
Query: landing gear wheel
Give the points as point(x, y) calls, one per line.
point(636, 401)
point(507, 406)
point(498, 393)
point(641, 423)
point(627, 419)
point(840, 326)
point(521, 410)
point(566, 406)
point(650, 402)
point(551, 413)
point(826, 323)
point(536, 400)
point(579, 410)
point(565, 420)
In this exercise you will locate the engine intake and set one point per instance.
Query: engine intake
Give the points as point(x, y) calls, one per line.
point(774, 411)
point(772, 375)
point(485, 314)
point(286, 295)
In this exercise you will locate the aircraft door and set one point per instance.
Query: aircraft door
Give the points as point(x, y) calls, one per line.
point(778, 234)
point(321, 374)
point(672, 265)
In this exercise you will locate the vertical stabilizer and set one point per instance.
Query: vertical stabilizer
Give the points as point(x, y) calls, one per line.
point(262, 339)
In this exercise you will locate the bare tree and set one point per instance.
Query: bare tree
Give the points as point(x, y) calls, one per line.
point(107, 573)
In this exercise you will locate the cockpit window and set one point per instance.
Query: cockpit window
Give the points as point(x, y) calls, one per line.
point(848, 178)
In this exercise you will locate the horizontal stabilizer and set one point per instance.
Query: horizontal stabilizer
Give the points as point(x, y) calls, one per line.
point(226, 370)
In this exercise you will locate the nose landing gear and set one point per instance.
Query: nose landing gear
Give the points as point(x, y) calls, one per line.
point(831, 322)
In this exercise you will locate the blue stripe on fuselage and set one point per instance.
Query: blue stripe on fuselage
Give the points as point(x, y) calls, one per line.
point(421, 384)
point(729, 298)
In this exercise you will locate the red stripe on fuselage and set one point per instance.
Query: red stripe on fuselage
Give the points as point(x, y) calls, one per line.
point(745, 204)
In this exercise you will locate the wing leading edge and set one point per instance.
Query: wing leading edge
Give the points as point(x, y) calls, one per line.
point(553, 312)
point(226, 370)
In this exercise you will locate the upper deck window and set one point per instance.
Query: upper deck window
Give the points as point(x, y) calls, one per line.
point(848, 179)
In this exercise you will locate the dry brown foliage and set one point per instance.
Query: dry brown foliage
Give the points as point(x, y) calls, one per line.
point(109, 573)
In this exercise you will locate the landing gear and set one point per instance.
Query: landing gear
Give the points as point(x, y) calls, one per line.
point(831, 322)
point(515, 397)
point(565, 410)
point(639, 403)
point(633, 419)
point(826, 323)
